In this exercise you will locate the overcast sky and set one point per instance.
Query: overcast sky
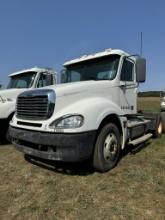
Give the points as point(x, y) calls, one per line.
point(46, 33)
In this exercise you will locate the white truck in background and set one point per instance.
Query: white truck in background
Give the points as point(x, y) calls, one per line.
point(91, 115)
point(162, 105)
point(19, 82)
point(162, 108)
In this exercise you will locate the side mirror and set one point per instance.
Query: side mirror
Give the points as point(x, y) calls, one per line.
point(63, 76)
point(48, 79)
point(140, 70)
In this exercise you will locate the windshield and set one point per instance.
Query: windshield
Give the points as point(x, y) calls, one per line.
point(104, 68)
point(24, 80)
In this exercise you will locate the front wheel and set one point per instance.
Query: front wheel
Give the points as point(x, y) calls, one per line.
point(107, 148)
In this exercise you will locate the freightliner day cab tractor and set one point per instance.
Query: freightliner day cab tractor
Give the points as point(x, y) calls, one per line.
point(93, 115)
point(19, 82)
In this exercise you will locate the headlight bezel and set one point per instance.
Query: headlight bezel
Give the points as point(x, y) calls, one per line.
point(56, 123)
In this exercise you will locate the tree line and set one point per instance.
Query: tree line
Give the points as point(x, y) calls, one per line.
point(149, 94)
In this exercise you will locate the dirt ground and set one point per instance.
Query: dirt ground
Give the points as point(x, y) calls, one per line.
point(135, 189)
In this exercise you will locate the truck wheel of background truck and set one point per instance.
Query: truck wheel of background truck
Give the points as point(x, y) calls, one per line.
point(107, 148)
point(3, 130)
point(159, 128)
point(8, 138)
point(163, 120)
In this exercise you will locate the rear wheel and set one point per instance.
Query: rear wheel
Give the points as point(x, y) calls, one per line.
point(163, 120)
point(159, 128)
point(107, 148)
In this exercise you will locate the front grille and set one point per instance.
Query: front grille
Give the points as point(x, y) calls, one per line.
point(35, 104)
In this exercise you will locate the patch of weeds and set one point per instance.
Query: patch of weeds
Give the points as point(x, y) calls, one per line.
point(160, 189)
point(122, 212)
point(84, 201)
point(160, 164)
point(138, 175)
point(159, 186)
point(108, 188)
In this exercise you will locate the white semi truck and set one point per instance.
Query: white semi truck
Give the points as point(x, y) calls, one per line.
point(162, 108)
point(162, 105)
point(21, 81)
point(91, 115)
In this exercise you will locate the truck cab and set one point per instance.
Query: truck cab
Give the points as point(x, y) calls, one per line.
point(91, 115)
point(19, 82)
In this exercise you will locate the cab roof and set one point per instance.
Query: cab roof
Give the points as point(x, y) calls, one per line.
point(34, 69)
point(104, 53)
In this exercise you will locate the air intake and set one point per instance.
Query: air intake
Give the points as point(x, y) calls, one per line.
point(36, 104)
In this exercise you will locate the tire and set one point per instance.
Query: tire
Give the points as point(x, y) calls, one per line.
point(8, 137)
point(5, 138)
point(107, 148)
point(158, 129)
point(163, 120)
point(2, 137)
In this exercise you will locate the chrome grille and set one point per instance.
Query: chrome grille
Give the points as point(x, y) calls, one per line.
point(35, 104)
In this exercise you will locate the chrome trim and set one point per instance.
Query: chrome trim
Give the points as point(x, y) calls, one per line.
point(50, 97)
point(55, 122)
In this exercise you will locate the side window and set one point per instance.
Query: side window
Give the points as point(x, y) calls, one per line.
point(75, 76)
point(45, 80)
point(21, 84)
point(127, 71)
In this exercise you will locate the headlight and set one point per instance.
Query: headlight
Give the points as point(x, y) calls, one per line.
point(68, 121)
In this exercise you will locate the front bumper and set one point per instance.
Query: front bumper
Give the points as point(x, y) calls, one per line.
point(51, 146)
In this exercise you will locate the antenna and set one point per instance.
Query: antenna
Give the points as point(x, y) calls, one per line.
point(141, 43)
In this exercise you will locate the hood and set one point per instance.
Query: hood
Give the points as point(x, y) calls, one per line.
point(67, 89)
point(11, 93)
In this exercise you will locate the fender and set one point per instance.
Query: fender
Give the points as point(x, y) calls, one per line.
point(7, 109)
point(94, 110)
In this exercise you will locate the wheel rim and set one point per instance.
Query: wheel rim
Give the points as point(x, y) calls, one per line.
point(110, 147)
point(160, 128)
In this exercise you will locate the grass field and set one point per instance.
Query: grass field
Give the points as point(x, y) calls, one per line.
point(150, 104)
point(135, 189)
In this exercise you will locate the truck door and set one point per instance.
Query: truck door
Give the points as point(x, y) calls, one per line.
point(128, 87)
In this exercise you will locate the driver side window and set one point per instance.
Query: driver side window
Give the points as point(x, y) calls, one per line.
point(127, 71)
point(43, 80)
